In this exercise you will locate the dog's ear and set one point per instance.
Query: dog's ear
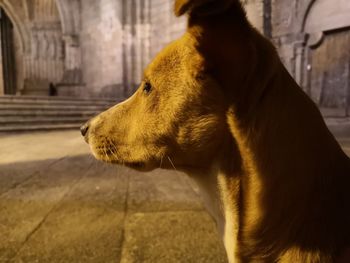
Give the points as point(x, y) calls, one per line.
point(201, 7)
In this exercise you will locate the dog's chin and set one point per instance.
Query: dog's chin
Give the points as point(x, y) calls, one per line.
point(136, 165)
point(139, 166)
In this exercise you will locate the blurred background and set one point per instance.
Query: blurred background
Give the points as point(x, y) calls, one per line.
point(99, 48)
point(62, 62)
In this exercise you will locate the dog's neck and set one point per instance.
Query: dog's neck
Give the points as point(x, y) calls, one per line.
point(207, 182)
point(216, 191)
point(219, 186)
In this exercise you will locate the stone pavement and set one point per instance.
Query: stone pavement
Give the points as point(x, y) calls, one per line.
point(57, 204)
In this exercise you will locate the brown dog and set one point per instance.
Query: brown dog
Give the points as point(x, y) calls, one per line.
point(219, 105)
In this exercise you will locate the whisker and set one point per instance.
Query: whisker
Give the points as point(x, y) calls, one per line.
point(114, 152)
point(172, 163)
point(110, 149)
point(161, 162)
point(111, 142)
point(105, 153)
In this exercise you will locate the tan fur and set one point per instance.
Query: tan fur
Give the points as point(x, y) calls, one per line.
point(224, 109)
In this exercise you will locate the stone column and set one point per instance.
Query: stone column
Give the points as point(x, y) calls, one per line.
point(347, 89)
point(128, 48)
point(2, 88)
point(138, 43)
point(299, 47)
point(299, 51)
point(147, 33)
point(142, 38)
point(72, 73)
point(57, 55)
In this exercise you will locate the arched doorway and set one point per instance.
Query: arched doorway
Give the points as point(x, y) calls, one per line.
point(327, 56)
point(45, 63)
point(8, 73)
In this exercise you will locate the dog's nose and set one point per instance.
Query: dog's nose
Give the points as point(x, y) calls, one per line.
point(84, 129)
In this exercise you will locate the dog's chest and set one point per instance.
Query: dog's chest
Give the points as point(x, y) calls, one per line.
point(229, 193)
point(220, 194)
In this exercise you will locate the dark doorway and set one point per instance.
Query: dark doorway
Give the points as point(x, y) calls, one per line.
point(7, 53)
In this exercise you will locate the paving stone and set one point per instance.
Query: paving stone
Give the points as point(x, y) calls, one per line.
point(188, 236)
point(14, 174)
point(88, 224)
point(23, 208)
point(66, 207)
point(161, 190)
point(41, 146)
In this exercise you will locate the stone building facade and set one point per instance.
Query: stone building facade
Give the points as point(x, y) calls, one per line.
point(86, 47)
point(100, 47)
point(313, 39)
point(44, 39)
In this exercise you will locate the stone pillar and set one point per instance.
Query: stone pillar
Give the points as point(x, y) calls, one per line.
point(141, 39)
point(267, 18)
point(2, 88)
point(71, 83)
point(72, 65)
point(347, 110)
point(138, 43)
point(147, 33)
point(299, 51)
point(148, 25)
point(169, 15)
point(128, 46)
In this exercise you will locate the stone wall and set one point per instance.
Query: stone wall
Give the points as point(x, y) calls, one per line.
point(149, 25)
point(89, 48)
point(101, 41)
point(100, 47)
point(313, 40)
point(118, 39)
point(46, 43)
point(44, 63)
point(38, 44)
point(165, 26)
point(311, 36)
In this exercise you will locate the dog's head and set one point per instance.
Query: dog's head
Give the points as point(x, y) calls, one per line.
point(177, 117)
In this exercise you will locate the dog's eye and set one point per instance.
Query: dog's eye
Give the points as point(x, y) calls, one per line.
point(147, 87)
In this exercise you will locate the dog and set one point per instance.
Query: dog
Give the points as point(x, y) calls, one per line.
point(219, 105)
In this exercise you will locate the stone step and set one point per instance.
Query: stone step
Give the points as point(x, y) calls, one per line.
point(44, 113)
point(20, 107)
point(29, 113)
point(56, 98)
point(40, 120)
point(39, 127)
point(57, 103)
